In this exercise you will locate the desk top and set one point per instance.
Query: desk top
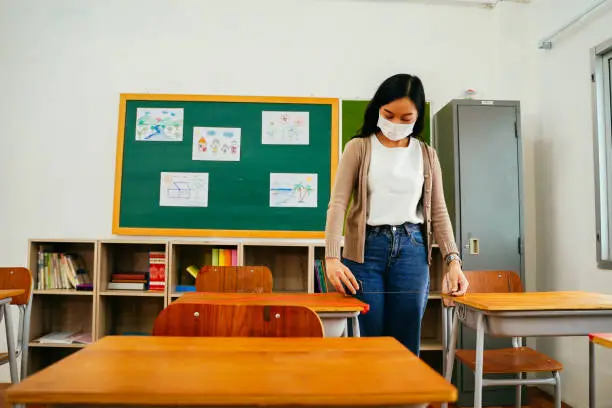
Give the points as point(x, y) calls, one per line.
point(603, 339)
point(535, 301)
point(319, 302)
point(236, 371)
point(10, 293)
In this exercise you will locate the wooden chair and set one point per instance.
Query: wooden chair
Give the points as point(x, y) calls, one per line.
point(253, 279)
point(516, 360)
point(212, 320)
point(19, 278)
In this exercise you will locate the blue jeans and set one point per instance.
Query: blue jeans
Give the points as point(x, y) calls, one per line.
point(394, 281)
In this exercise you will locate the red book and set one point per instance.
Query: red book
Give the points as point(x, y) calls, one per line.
point(157, 271)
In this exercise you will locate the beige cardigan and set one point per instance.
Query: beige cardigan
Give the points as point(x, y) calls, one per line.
point(352, 180)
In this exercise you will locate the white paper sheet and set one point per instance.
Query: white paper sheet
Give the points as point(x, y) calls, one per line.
point(290, 128)
point(216, 144)
point(159, 125)
point(183, 190)
point(293, 190)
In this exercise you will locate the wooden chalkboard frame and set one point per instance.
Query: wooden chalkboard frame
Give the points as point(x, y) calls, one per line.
point(117, 229)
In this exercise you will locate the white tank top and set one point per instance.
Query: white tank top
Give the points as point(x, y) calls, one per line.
point(395, 184)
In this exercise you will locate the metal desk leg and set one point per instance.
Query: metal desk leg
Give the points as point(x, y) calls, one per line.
point(10, 343)
point(591, 374)
point(449, 352)
point(479, 361)
point(356, 332)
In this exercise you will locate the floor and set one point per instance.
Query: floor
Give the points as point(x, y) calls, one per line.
point(537, 398)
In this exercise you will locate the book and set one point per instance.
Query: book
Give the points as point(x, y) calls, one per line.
point(157, 271)
point(65, 337)
point(126, 286)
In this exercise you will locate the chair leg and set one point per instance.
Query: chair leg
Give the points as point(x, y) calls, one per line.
point(557, 389)
point(519, 388)
point(26, 340)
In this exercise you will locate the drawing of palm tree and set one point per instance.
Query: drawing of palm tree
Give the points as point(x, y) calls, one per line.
point(302, 191)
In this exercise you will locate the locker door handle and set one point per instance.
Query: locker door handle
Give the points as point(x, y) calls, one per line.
point(474, 246)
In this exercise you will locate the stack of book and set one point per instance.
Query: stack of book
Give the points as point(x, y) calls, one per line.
point(129, 281)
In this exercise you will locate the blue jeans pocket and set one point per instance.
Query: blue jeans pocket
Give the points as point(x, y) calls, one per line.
point(416, 237)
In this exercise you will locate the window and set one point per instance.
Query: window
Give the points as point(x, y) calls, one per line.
point(602, 95)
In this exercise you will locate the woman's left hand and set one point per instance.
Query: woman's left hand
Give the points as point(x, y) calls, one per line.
point(455, 283)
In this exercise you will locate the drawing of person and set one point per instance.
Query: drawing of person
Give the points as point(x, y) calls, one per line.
point(215, 146)
point(202, 144)
point(234, 147)
point(225, 148)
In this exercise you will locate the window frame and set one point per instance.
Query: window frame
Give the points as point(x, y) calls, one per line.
point(601, 80)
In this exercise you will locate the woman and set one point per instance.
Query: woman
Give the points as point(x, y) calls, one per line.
point(398, 203)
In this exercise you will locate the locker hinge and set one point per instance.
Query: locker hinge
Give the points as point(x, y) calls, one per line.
point(592, 77)
point(519, 245)
point(515, 130)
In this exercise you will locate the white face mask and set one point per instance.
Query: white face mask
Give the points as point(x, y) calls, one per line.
point(394, 131)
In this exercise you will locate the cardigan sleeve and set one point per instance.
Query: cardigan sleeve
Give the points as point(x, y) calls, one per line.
point(441, 224)
point(344, 185)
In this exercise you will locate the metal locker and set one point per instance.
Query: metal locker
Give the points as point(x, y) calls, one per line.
point(479, 146)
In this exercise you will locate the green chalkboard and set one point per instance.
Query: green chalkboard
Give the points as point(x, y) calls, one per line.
point(216, 180)
point(352, 119)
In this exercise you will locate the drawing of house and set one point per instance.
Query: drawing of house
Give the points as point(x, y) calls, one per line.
point(179, 189)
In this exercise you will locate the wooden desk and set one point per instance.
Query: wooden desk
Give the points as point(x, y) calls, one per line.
point(280, 372)
point(6, 296)
point(604, 340)
point(524, 314)
point(333, 308)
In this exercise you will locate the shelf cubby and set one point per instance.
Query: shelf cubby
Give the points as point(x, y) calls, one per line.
point(290, 265)
point(198, 254)
point(128, 315)
point(85, 250)
point(61, 313)
point(127, 257)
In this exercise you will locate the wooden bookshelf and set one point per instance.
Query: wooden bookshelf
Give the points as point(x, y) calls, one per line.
point(104, 312)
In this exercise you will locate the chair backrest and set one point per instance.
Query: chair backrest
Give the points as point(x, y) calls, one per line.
point(211, 320)
point(17, 278)
point(253, 279)
point(490, 281)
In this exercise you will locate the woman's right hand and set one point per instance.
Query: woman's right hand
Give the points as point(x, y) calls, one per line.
point(338, 274)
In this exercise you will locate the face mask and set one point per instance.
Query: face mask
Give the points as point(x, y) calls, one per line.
point(394, 131)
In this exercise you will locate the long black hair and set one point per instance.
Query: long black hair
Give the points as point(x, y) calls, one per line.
point(396, 87)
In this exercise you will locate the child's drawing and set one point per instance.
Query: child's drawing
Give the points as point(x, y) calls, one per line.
point(183, 190)
point(293, 190)
point(159, 125)
point(218, 144)
point(290, 128)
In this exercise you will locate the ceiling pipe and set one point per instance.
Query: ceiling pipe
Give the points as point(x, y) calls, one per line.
point(547, 43)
